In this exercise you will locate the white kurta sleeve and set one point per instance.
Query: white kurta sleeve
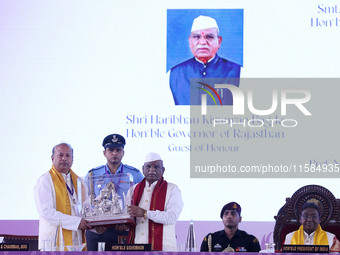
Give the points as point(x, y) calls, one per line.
point(289, 238)
point(172, 210)
point(45, 201)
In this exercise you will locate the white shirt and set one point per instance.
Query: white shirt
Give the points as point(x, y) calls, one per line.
point(168, 217)
point(309, 239)
point(45, 201)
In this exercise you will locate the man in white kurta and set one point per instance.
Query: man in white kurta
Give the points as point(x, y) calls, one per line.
point(144, 210)
point(46, 199)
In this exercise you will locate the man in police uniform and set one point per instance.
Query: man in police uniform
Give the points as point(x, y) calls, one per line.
point(230, 239)
point(113, 151)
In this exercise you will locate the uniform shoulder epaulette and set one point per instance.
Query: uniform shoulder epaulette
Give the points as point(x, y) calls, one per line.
point(131, 168)
point(206, 237)
point(97, 168)
point(255, 240)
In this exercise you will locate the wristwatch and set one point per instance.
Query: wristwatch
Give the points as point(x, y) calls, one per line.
point(145, 214)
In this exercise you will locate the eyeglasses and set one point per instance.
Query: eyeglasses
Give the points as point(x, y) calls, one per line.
point(306, 216)
point(208, 37)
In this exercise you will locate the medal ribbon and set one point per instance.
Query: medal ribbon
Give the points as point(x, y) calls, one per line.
point(71, 191)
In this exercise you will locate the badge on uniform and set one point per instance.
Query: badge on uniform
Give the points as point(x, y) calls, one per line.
point(100, 181)
point(114, 138)
point(241, 249)
point(217, 247)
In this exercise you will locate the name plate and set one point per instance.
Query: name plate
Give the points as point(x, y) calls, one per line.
point(127, 247)
point(291, 248)
point(14, 246)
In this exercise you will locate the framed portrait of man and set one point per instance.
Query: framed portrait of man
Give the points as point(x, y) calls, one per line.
point(203, 44)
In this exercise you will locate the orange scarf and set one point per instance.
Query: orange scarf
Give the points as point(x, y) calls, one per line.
point(320, 236)
point(62, 199)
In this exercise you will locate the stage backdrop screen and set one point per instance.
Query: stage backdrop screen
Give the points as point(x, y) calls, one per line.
point(77, 71)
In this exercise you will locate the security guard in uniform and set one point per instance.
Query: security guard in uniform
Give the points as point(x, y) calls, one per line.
point(231, 239)
point(113, 151)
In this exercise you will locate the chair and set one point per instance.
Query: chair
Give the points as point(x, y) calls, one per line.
point(287, 218)
point(32, 241)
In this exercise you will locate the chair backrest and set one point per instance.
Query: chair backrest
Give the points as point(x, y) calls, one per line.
point(287, 219)
point(32, 241)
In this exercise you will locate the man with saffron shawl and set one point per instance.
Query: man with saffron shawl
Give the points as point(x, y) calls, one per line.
point(55, 198)
point(310, 231)
point(156, 204)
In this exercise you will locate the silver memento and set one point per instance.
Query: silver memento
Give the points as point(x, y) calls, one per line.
point(107, 202)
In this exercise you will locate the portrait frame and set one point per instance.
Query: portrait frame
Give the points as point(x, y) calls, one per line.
point(179, 22)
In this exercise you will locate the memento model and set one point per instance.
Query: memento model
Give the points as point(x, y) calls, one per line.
point(109, 207)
